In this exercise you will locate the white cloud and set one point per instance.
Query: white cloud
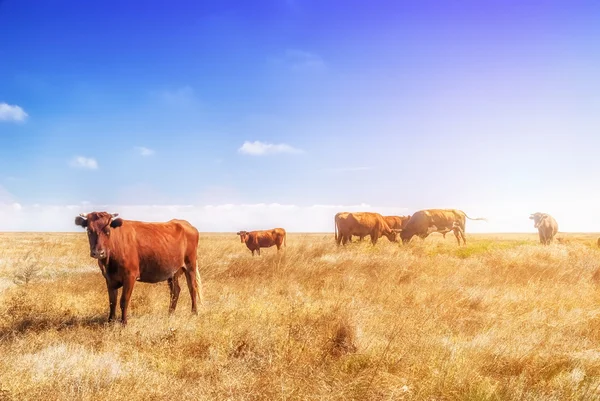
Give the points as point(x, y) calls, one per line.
point(258, 148)
point(183, 96)
point(300, 60)
point(12, 113)
point(84, 162)
point(143, 151)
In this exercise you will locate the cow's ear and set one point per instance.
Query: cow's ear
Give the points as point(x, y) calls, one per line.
point(116, 223)
point(238, 233)
point(80, 221)
point(531, 217)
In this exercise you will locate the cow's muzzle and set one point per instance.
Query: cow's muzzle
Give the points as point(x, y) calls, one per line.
point(101, 254)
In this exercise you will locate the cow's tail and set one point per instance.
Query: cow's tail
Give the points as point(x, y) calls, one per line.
point(199, 295)
point(285, 239)
point(475, 218)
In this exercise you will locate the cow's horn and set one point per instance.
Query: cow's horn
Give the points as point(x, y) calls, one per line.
point(114, 215)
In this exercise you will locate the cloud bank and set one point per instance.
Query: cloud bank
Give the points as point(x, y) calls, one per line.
point(207, 218)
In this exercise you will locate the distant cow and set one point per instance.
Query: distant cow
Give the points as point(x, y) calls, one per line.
point(255, 240)
point(397, 222)
point(361, 224)
point(425, 222)
point(546, 225)
point(128, 251)
point(343, 216)
point(394, 222)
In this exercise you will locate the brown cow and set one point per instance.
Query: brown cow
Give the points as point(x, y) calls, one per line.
point(263, 239)
point(397, 222)
point(361, 224)
point(128, 251)
point(546, 225)
point(425, 222)
point(394, 222)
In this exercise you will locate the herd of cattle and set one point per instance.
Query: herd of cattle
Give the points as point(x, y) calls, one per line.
point(128, 251)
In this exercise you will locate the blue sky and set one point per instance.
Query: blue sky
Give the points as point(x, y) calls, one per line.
point(491, 107)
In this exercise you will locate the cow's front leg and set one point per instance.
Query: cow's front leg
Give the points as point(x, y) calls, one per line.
point(112, 300)
point(128, 283)
point(175, 289)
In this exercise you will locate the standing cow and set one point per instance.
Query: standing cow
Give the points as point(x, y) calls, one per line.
point(546, 225)
point(425, 222)
point(255, 240)
point(397, 222)
point(128, 251)
point(361, 224)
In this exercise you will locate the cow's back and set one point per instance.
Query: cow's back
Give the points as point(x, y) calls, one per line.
point(393, 222)
point(154, 247)
point(363, 223)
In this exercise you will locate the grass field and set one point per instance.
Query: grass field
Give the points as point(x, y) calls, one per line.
point(503, 318)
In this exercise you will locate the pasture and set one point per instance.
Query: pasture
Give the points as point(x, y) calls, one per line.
point(502, 318)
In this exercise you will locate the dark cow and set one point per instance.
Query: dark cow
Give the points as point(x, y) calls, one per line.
point(546, 225)
point(361, 224)
point(255, 240)
point(425, 222)
point(128, 251)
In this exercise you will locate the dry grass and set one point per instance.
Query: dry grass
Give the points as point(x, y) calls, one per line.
point(501, 319)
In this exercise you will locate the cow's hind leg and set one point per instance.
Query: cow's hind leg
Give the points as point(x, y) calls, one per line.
point(464, 237)
point(192, 276)
point(175, 289)
point(456, 231)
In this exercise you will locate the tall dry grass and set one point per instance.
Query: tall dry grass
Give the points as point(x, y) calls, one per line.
point(500, 319)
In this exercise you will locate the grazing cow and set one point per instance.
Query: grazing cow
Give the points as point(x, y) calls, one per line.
point(546, 225)
point(425, 222)
point(128, 251)
point(394, 222)
point(255, 240)
point(397, 222)
point(361, 224)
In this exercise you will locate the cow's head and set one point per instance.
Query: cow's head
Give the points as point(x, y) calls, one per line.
point(405, 236)
point(243, 236)
point(394, 233)
point(538, 218)
point(99, 226)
